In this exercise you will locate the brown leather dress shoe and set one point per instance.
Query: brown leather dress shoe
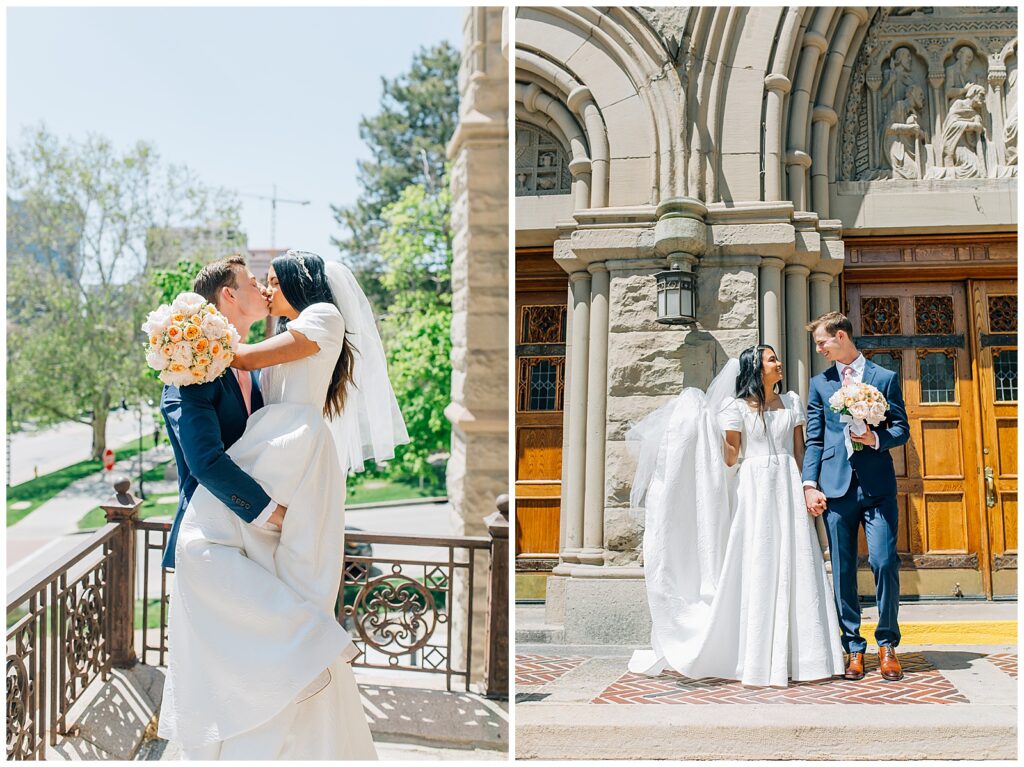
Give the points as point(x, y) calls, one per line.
point(854, 666)
point(889, 664)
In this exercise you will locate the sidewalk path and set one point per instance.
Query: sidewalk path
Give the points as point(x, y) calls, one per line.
point(52, 529)
point(956, 701)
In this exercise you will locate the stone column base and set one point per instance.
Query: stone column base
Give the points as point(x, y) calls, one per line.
point(600, 605)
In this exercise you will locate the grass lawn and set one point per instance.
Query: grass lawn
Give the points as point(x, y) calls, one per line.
point(152, 617)
point(38, 491)
point(378, 490)
point(150, 508)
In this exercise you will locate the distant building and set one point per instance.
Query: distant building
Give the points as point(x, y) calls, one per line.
point(259, 260)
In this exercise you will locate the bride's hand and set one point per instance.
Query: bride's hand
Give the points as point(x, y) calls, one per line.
point(277, 516)
point(815, 501)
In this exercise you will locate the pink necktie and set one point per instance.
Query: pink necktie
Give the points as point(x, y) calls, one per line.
point(847, 375)
point(245, 384)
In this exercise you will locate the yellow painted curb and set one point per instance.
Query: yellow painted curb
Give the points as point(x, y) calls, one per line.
point(951, 632)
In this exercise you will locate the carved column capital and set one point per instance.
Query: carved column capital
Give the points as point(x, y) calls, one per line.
point(815, 40)
point(797, 157)
point(825, 114)
point(778, 84)
point(578, 98)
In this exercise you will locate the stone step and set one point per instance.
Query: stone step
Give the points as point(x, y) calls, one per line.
point(582, 731)
point(540, 635)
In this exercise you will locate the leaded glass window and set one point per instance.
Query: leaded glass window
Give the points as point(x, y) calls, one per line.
point(938, 377)
point(1004, 370)
point(542, 165)
point(890, 361)
point(541, 384)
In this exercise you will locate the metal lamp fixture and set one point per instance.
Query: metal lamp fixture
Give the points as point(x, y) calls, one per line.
point(677, 295)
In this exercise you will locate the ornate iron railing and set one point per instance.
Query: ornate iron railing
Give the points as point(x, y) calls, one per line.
point(61, 643)
point(403, 602)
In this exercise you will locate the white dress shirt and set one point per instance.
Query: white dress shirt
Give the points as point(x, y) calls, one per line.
point(856, 376)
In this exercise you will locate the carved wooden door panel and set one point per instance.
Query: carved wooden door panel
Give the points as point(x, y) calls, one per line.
point(540, 328)
point(994, 314)
point(921, 332)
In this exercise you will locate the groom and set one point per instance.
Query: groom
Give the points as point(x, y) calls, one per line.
point(857, 489)
point(204, 420)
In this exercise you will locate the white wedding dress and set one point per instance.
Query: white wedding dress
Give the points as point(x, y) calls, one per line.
point(735, 577)
point(252, 612)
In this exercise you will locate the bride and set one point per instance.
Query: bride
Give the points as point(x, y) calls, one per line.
point(736, 582)
point(258, 665)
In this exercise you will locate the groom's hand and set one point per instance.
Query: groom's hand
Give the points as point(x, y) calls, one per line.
point(277, 516)
point(815, 501)
point(868, 438)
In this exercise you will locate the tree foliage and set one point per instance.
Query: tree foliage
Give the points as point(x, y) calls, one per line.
point(407, 140)
point(78, 282)
point(416, 253)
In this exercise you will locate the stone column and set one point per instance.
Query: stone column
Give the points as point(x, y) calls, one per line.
point(478, 467)
point(824, 118)
point(996, 80)
point(834, 302)
point(597, 403)
point(797, 163)
point(576, 402)
point(821, 301)
point(797, 345)
point(770, 297)
point(778, 86)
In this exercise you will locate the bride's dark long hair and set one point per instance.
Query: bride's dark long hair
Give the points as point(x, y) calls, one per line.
point(750, 381)
point(302, 278)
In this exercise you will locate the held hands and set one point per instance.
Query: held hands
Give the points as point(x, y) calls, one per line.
point(815, 501)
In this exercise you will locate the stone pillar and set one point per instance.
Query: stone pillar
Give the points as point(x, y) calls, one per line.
point(797, 345)
point(834, 302)
point(597, 403)
point(770, 297)
point(122, 509)
point(575, 477)
point(824, 118)
point(777, 86)
point(478, 467)
point(821, 300)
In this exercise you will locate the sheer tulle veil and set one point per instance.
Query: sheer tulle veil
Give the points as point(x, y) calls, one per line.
point(371, 424)
point(687, 492)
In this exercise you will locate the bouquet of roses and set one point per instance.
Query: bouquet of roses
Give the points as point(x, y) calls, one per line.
point(858, 405)
point(189, 341)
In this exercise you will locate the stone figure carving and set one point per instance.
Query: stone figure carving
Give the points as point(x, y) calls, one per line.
point(959, 74)
point(963, 134)
point(904, 139)
point(900, 77)
point(1010, 129)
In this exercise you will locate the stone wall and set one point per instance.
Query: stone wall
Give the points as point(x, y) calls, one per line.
point(478, 467)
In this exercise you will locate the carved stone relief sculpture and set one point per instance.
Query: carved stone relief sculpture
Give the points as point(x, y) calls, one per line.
point(904, 138)
point(963, 136)
point(932, 95)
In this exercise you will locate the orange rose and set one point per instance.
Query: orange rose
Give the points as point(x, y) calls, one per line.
point(202, 345)
point(195, 319)
point(167, 350)
point(178, 317)
point(210, 309)
point(192, 332)
point(174, 332)
point(202, 361)
point(215, 348)
point(198, 373)
point(176, 367)
point(226, 356)
point(154, 340)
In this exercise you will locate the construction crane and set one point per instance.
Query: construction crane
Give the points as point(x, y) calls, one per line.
point(274, 200)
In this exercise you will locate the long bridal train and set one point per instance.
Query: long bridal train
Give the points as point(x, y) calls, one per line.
point(736, 582)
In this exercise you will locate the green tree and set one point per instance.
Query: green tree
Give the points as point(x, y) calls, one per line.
point(416, 255)
point(80, 214)
point(406, 139)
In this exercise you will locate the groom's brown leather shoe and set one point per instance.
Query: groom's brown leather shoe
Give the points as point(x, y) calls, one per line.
point(854, 666)
point(889, 664)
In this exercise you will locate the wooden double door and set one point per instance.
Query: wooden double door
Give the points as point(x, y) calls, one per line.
point(954, 346)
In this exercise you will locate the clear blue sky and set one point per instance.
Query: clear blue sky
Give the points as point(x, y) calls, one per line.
point(246, 97)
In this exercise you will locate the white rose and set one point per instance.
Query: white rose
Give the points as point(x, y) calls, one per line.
point(188, 303)
point(156, 360)
point(213, 326)
point(157, 321)
point(182, 353)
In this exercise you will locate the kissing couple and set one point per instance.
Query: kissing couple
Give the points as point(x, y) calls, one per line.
point(732, 481)
point(258, 664)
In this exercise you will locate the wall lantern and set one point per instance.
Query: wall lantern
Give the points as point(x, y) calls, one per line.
point(677, 295)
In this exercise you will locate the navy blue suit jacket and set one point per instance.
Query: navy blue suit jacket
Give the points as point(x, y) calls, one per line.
point(825, 460)
point(204, 420)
